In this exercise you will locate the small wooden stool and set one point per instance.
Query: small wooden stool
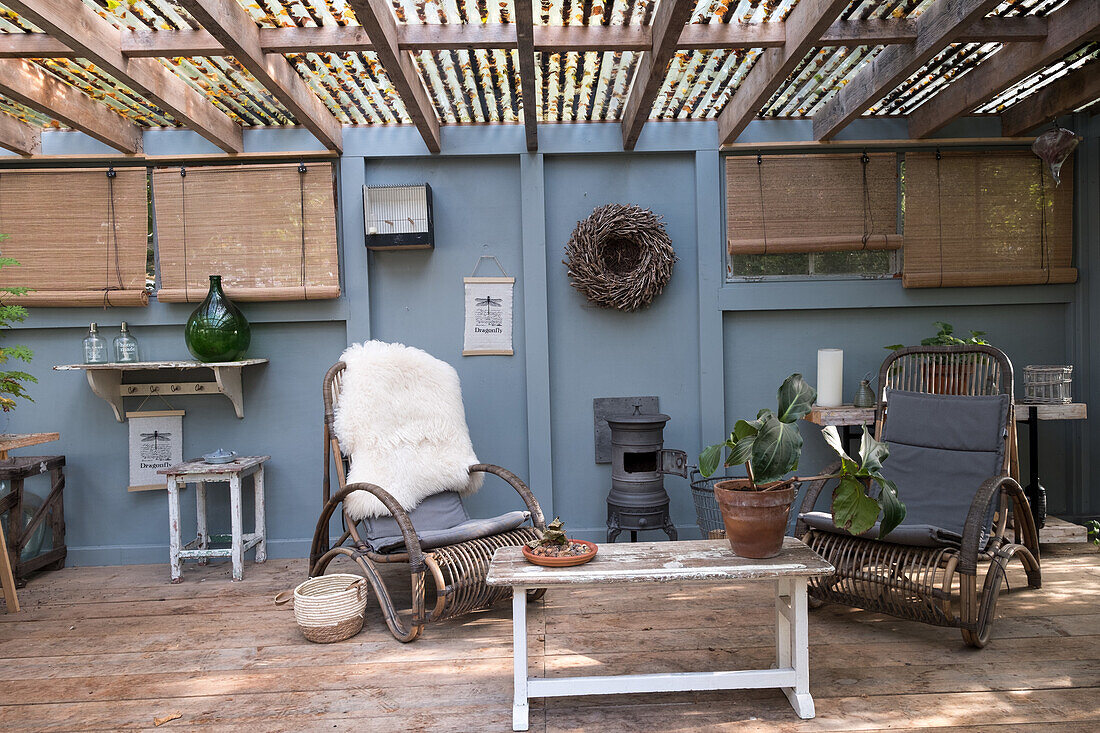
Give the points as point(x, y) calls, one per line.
point(199, 472)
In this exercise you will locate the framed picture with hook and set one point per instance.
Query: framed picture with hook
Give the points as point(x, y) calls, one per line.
point(156, 441)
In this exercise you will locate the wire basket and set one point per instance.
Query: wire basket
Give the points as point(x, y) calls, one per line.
point(707, 515)
point(1048, 385)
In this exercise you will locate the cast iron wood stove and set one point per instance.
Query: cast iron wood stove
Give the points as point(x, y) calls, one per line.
point(639, 461)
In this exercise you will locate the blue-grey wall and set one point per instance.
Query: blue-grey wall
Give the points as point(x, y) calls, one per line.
point(711, 351)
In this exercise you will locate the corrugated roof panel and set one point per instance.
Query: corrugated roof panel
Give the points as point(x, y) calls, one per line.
point(26, 114)
point(1086, 55)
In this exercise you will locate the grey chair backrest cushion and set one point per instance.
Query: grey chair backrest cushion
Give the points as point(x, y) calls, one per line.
point(438, 511)
point(942, 449)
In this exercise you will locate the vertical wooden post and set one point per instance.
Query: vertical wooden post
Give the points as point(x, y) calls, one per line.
point(57, 514)
point(799, 695)
point(200, 518)
point(11, 600)
point(261, 518)
point(174, 529)
point(237, 551)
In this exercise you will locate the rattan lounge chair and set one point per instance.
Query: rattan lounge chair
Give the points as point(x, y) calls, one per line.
point(946, 412)
point(457, 570)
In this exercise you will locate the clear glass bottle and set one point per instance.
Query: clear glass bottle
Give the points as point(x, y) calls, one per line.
point(95, 347)
point(126, 346)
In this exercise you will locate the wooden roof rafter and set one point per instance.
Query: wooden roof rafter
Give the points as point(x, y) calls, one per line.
point(29, 85)
point(525, 45)
point(1068, 27)
point(1064, 95)
point(940, 25)
point(78, 27)
point(234, 28)
point(376, 18)
point(804, 28)
point(668, 23)
point(19, 137)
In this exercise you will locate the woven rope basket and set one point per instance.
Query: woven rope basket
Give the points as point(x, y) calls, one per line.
point(329, 608)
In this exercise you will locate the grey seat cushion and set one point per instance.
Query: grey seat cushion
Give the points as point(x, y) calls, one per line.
point(942, 449)
point(438, 520)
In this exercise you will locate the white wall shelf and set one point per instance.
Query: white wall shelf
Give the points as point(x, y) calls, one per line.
point(106, 381)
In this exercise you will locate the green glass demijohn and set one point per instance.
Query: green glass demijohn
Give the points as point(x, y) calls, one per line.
point(217, 330)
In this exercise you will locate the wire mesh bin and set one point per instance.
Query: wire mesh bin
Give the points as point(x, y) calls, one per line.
point(1048, 385)
point(707, 515)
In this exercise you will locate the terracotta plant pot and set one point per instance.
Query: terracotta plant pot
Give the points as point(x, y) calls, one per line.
point(756, 521)
point(939, 380)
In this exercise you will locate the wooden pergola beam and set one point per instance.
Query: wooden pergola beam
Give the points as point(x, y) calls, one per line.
point(525, 44)
point(667, 25)
point(1070, 26)
point(28, 84)
point(19, 137)
point(238, 33)
point(938, 26)
point(1060, 97)
point(378, 22)
point(91, 37)
point(804, 28)
point(695, 37)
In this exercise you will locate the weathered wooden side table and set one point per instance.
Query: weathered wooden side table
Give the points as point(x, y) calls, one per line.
point(199, 473)
point(670, 562)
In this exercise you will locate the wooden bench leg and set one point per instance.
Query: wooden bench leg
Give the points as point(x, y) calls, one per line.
point(237, 551)
point(261, 518)
point(7, 580)
point(200, 518)
point(174, 536)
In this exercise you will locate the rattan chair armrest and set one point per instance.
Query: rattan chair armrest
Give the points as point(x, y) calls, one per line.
point(813, 490)
point(408, 533)
point(975, 518)
point(537, 517)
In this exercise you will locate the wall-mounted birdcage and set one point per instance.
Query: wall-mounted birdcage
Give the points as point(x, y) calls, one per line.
point(398, 217)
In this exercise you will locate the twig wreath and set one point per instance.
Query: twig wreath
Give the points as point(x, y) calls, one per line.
point(620, 257)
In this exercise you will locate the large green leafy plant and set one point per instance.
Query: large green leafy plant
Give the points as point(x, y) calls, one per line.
point(12, 380)
point(770, 447)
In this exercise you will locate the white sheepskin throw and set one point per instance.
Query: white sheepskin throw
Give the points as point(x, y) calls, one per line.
point(400, 419)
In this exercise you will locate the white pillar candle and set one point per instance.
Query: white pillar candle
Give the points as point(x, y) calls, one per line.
point(830, 377)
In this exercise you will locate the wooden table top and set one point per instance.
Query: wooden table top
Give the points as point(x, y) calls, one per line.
point(11, 441)
point(658, 562)
point(197, 466)
point(852, 415)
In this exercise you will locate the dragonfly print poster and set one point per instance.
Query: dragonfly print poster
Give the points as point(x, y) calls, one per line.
point(156, 441)
point(488, 330)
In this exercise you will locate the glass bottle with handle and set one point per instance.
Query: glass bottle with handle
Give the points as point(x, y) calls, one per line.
point(95, 347)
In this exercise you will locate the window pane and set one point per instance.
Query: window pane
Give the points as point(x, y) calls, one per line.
point(856, 262)
point(756, 265)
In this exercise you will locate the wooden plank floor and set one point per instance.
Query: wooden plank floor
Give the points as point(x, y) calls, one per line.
point(113, 648)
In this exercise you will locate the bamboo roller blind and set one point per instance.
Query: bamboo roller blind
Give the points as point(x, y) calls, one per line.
point(245, 223)
point(981, 220)
point(811, 203)
point(81, 238)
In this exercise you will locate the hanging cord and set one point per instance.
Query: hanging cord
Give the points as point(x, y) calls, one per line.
point(1044, 253)
point(868, 214)
point(302, 205)
point(939, 210)
point(183, 219)
point(112, 240)
point(159, 397)
point(760, 182)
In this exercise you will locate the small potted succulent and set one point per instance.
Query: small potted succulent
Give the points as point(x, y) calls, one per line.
point(755, 509)
point(554, 549)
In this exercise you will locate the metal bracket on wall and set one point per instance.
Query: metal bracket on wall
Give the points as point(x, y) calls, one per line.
point(106, 381)
point(604, 407)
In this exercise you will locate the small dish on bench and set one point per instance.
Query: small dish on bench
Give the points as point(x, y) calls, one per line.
point(554, 550)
